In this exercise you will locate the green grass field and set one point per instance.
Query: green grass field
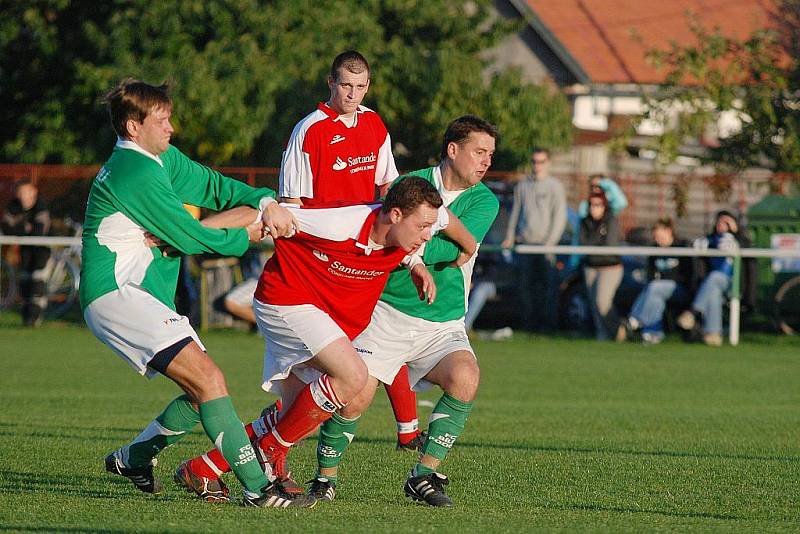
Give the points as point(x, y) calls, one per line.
point(565, 435)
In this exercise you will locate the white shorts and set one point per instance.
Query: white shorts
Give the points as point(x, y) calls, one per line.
point(394, 338)
point(293, 335)
point(242, 294)
point(136, 326)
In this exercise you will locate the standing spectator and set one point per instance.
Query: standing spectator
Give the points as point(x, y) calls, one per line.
point(538, 217)
point(670, 279)
point(602, 273)
point(707, 304)
point(617, 201)
point(27, 215)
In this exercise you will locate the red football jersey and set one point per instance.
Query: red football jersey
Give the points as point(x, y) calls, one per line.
point(326, 161)
point(330, 264)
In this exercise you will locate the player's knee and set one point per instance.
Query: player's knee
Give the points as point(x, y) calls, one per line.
point(354, 381)
point(463, 380)
point(212, 385)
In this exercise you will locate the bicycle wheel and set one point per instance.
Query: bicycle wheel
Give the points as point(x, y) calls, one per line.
point(8, 285)
point(787, 306)
point(62, 287)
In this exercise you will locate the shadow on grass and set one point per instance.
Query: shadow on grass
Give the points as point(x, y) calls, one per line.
point(590, 450)
point(80, 486)
point(18, 528)
point(622, 510)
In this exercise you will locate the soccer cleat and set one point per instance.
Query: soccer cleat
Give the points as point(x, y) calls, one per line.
point(413, 445)
point(272, 457)
point(322, 489)
point(274, 496)
point(428, 489)
point(142, 477)
point(208, 489)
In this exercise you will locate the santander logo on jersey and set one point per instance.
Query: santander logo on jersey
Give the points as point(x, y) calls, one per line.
point(357, 163)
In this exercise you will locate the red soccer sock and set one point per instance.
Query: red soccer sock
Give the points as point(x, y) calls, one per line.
point(404, 406)
point(305, 414)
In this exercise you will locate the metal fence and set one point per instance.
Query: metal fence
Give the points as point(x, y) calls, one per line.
point(737, 255)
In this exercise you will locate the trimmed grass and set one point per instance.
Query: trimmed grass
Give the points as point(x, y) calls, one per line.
point(565, 435)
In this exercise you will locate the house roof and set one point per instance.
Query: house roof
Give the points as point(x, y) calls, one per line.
point(595, 38)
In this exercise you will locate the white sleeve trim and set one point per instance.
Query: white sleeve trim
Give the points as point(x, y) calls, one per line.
point(385, 169)
point(296, 179)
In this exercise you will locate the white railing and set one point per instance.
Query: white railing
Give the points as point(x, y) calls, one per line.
point(737, 255)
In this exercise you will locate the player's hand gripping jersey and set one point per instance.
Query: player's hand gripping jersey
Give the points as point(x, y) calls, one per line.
point(325, 161)
point(332, 264)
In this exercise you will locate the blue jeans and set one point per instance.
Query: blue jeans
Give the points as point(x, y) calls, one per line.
point(480, 293)
point(709, 300)
point(651, 302)
point(538, 290)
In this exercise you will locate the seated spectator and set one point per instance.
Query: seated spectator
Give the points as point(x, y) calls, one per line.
point(27, 215)
point(239, 300)
point(617, 201)
point(669, 282)
point(602, 273)
point(706, 307)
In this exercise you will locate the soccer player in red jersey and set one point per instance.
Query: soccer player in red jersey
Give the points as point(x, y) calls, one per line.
point(316, 294)
point(341, 152)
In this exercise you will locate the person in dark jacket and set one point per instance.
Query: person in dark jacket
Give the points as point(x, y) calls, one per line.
point(602, 273)
point(670, 280)
point(27, 215)
point(706, 311)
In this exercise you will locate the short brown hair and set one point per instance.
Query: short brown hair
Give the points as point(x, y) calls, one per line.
point(458, 131)
point(135, 99)
point(351, 61)
point(664, 222)
point(410, 192)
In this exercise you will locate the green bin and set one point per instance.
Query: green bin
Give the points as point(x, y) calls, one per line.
point(774, 222)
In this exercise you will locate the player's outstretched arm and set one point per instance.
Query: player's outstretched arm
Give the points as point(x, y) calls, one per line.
point(232, 218)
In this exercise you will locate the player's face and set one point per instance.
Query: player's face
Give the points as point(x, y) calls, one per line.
point(154, 133)
point(347, 91)
point(472, 158)
point(410, 231)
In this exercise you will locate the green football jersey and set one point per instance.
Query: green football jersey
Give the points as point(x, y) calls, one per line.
point(477, 208)
point(136, 192)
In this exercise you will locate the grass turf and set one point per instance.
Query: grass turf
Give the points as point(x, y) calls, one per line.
point(565, 435)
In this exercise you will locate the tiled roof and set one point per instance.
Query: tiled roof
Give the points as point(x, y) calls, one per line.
point(598, 34)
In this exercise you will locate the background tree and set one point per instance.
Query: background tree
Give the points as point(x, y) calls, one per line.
point(755, 80)
point(245, 71)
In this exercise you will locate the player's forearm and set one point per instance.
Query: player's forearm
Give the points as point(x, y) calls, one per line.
point(460, 235)
point(232, 218)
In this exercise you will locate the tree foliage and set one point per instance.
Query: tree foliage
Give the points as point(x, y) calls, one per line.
point(754, 80)
point(245, 71)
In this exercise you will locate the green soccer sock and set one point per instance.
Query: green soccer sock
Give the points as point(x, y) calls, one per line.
point(175, 421)
point(445, 424)
point(228, 435)
point(334, 437)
